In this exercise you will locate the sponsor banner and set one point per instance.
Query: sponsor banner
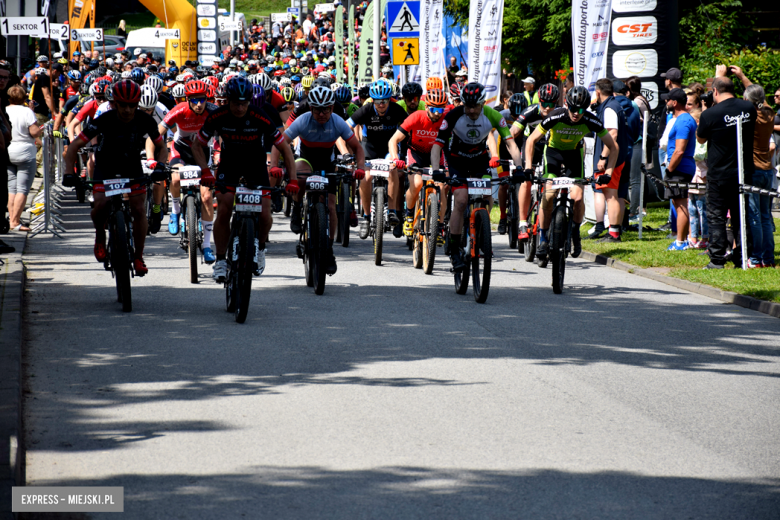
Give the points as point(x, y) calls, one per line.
point(281, 17)
point(485, 21)
point(635, 62)
point(366, 58)
point(457, 42)
point(80, 12)
point(633, 6)
point(324, 8)
point(590, 36)
point(207, 61)
point(208, 22)
point(339, 35)
point(351, 48)
point(634, 30)
point(432, 43)
point(651, 93)
point(207, 35)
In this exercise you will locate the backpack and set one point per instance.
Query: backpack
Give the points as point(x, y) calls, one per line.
point(633, 121)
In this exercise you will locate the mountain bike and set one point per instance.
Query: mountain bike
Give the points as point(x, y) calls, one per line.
point(476, 241)
point(531, 243)
point(241, 246)
point(380, 171)
point(561, 227)
point(426, 225)
point(312, 245)
point(191, 233)
point(344, 202)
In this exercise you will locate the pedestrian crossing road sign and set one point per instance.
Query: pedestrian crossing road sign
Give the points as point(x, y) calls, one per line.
point(406, 51)
point(403, 19)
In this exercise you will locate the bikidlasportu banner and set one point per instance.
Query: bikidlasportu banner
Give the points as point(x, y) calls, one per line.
point(485, 20)
point(590, 35)
point(339, 35)
point(351, 49)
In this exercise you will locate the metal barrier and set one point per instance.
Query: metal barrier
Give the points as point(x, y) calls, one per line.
point(48, 219)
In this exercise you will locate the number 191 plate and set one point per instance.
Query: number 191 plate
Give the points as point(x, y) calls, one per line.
point(249, 200)
point(480, 186)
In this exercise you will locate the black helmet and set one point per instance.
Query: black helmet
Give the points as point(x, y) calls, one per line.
point(473, 94)
point(239, 89)
point(578, 97)
point(548, 93)
point(412, 90)
point(517, 104)
point(363, 91)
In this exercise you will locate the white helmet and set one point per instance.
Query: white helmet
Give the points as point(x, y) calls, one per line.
point(335, 86)
point(285, 82)
point(148, 97)
point(325, 75)
point(125, 74)
point(155, 82)
point(253, 79)
point(109, 62)
point(178, 91)
point(292, 63)
point(321, 96)
point(264, 80)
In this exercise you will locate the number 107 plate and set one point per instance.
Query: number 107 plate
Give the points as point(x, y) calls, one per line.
point(480, 186)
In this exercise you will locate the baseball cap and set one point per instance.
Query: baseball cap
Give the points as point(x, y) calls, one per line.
point(673, 74)
point(676, 94)
point(529, 79)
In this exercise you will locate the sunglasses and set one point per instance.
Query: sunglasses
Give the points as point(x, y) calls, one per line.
point(197, 101)
point(547, 105)
point(579, 111)
point(381, 101)
point(435, 110)
point(127, 105)
point(325, 110)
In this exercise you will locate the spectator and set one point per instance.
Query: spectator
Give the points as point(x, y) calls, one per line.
point(777, 116)
point(634, 85)
point(697, 206)
point(718, 128)
point(681, 165)
point(21, 167)
point(122, 30)
point(452, 70)
point(760, 206)
point(693, 101)
point(529, 84)
point(568, 84)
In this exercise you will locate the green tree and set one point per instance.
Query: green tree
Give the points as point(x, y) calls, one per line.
point(536, 34)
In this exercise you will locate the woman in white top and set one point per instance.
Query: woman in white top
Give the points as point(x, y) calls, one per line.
point(21, 168)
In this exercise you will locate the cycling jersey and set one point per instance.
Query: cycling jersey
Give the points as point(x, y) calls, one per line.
point(273, 115)
point(527, 122)
point(318, 141)
point(103, 108)
point(88, 109)
point(420, 131)
point(402, 103)
point(160, 111)
point(303, 108)
point(72, 102)
point(187, 124)
point(377, 130)
point(119, 144)
point(564, 134)
point(351, 108)
point(241, 139)
point(460, 136)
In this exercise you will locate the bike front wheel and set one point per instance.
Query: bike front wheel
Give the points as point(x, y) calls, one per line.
point(319, 230)
point(513, 218)
point(462, 278)
point(192, 237)
point(431, 232)
point(558, 248)
point(120, 261)
point(379, 221)
point(482, 256)
point(244, 268)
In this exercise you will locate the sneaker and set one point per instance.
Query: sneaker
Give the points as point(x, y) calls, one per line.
point(330, 265)
point(610, 239)
point(596, 231)
point(457, 261)
point(541, 249)
point(100, 251)
point(140, 267)
point(702, 244)
point(155, 222)
point(208, 255)
point(674, 246)
point(365, 223)
point(173, 224)
point(6, 249)
point(666, 227)
point(276, 202)
point(633, 219)
point(353, 220)
point(295, 219)
point(502, 226)
point(576, 242)
point(392, 219)
point(408, 226)
point(259, 259)
point(752, 265)
point(713, 266)
point(522, 232)
point(220, 271)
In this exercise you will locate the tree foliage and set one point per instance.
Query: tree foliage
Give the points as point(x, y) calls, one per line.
point(536, 34)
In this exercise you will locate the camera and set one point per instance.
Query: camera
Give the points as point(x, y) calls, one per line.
point(707, 99)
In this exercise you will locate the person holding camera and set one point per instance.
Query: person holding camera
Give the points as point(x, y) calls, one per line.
point(718, 128)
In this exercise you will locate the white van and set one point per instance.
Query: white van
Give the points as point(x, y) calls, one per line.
point(147, 41)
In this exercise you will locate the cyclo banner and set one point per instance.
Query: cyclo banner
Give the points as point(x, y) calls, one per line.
point(643, 42)
point(485, 20)
point(431, 43)
point(590, 36)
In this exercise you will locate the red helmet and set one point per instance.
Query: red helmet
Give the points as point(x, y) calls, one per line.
point(213, 80)
point(455, 90)
point(436, 98)
point(212, 92)
point(126, 91)
point(279, 73)
point(196, 88)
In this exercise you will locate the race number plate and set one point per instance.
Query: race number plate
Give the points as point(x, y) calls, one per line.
point(189, 175)
point(249, 200)
point(380, 168)
point(116, 186)
point(562, 182)
point(480, 186)
point(316, 183)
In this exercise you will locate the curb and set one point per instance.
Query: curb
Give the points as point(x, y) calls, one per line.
point(770, 308)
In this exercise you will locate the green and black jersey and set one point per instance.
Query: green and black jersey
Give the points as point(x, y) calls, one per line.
point(565, 134)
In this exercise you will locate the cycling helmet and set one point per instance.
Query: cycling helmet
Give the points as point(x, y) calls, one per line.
point(295, 70)
point(74, 75)
point(436, 98)
point(517, 104)
point(253, 79)
point(102, 70)
point(411, 90)
point(307, 82)
point(138, 76)
point(473, 94)
point(212, 80)
point(343, 94)
point(324, 74)
point(455, 91)
point(258, 96)
point(99, 88)
point(301, 95)
point(322, 82)
point(264, 80)
point(289, 94)
point(155, 82)
point(239, 89)
point(109, 94)
point(548, 93)
point(396, 90)
point(221, 93)
point(434, 83)
point(126, 74)
point(148, 97)
point(126, 91)
point(212, 91)
point(380, 90)
point(196, 88)
point(321, 96)
point(305, 71)
point(364, 91)
point(578, 97)
point(295, 78)
point(178, 91)
point(285, 82)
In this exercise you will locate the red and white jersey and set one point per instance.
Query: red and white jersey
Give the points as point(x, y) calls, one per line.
point(186, 121)
point(88, 110)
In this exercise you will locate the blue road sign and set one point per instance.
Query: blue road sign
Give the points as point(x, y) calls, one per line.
point(295, 11)
point(403, 19)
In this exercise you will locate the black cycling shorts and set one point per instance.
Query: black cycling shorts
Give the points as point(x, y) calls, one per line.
point(563, 163)
point(227, 179)
point(473, 168)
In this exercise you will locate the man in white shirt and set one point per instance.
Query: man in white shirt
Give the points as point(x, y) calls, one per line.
point(307, 24)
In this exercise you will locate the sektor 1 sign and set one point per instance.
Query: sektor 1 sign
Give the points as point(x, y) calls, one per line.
point(25, 26)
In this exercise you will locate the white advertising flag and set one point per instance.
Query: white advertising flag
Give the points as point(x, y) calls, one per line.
point(432, 43)
point(590, 34)
point(485, 20)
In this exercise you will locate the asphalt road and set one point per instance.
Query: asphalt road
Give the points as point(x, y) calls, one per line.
point(391, 396)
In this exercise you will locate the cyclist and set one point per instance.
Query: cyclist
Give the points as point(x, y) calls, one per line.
point(465, 136)
point(242, 129)
point(120, 140)
point(344, 98)
point(379, 121)
point(420, 130)
point(318, 131)
point(565, 128)
point(188, 118)
point(149, 103)
point(411, 93)
point(517, 104)
point(526, 122)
